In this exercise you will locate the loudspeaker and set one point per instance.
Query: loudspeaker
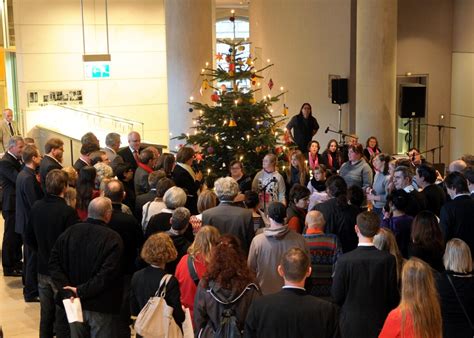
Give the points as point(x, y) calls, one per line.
point(339, 91)
point(412, 101)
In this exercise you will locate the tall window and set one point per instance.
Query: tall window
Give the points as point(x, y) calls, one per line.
point(225, 30)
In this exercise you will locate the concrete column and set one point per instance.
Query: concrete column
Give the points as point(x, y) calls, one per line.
point(376, 71)
point(189, 44)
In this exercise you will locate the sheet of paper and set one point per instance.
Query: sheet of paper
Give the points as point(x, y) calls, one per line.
point(73, 310)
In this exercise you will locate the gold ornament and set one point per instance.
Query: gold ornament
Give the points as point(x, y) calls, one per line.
point(232, 122)
point(252, 100)
point(285, 110)
point(249, 62)
point(241, 48)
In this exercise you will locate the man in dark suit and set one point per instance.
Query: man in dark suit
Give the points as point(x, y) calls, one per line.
point(227, 217)
point(28, 191)
point(402, 179)
point(457, 215)
point(131, 153)
point(52, 211)
point(132, 236)
point(142, 199)
point(54, 149)
point(84, 159)
point(469, 175)
point(365, 283)
point(10, 166)
point(432, 193)
point(86, 263)
point(292, 312)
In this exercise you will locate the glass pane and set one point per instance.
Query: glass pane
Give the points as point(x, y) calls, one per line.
point(11, 24)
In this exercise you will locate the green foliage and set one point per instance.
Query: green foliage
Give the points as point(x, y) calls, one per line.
point(256, 131)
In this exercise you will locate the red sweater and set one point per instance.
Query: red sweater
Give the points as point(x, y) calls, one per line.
point(186, 283)
point(393, 325)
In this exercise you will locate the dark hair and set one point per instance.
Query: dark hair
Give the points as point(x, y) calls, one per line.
point(425, 231)
point(89, 137)
point(415, 149)
point(337, 187)
point(406, 171)
point(184, 154)
point(277, 212)
point(368, 223)
point(356, 196)
point(234, 162)
point(114, 190)
point(400, 199)
point(251, 199)
point(56, 181)
point(228, 266)
point(168, 162)
point(154, 177)
point(329, 144)
point(427, 172)
point(298, 192)
point(146, 155)
point(88, 148)
point(163, 185)
point(310, 108)
point(295, 263)
point(372, 138)
point(385, 158)
point(357, 148)
point(29, 152)
point(96, 156)
point(121, 169)
point(85, 186)
point(52, 143)
point(457, 182)
point(469, 175)
point(314, 141)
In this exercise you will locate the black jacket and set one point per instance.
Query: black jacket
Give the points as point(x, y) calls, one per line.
point(49, 218)
point(208, 311)
point(140, 201)
point(47, 164)
point(88, 256)
point(28, 191)
point(185, 181)
point(292, 313)
point(456, 220)
point(132, 236)
point(434, 197)
point(9, 169)
point(365, 286)
point(303, 130)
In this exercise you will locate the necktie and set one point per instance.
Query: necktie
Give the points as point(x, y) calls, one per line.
point(135, 156)
point(11, 129)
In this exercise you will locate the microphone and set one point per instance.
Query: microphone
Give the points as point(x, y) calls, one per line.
point(326, 131)
point(274, 179)
point(407, 122)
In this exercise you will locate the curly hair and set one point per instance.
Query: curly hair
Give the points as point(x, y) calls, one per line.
point(159, 249)
point(228, 266)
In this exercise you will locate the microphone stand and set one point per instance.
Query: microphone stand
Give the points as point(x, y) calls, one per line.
point(339, 132)
point(432, 151)
point(440, 128)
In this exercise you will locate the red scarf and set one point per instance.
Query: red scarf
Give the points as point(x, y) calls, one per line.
point(313, 163)
point(145, 167)
point(330, 160)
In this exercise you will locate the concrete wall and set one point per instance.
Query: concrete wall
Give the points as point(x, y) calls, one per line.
point(306, 40)
point(49, 56)
point(462, 91)
point(424, 47)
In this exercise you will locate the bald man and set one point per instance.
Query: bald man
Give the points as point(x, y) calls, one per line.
point(131, 153)
point(8, 128)
point(457, 166)
point(324, 249)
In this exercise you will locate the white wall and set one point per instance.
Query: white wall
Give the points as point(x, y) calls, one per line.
point(50, 48)
point(462, 90)
point(306, 40)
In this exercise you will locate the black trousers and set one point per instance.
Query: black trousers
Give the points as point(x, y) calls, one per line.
point(30, 273)
point(11, 246)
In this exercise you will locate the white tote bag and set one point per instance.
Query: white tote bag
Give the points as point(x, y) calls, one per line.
point(156, 320)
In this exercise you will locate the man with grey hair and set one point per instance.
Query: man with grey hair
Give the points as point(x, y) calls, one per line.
point(457, 166)
point(324, 249)
point(227, 217)
point(10, 166)
point(131, 153)
point(85, 263)
point(112, 145)
point(8, 128)
point(179, 223)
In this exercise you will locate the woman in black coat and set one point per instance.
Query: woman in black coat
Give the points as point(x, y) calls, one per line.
point(458, 263)
point(157, 251)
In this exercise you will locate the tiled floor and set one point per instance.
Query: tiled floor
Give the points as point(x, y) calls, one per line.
point(17, 318)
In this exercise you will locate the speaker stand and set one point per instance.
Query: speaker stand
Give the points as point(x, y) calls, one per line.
point(339, 108)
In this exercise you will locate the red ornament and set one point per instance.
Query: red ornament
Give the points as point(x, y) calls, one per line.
point(198, 157)
point(231, 67)
point(228, 59)
point(232, 18)
point(270, 84)
point(219, 56)
point(215, 97)
point(278, 150)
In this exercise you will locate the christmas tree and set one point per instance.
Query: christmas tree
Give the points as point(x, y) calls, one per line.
point(237, 126)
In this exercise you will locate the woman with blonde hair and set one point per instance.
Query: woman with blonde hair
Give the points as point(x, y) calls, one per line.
point(193, 265)
point(419, 314)
point(297, 172)
point(455, 287)
point(206, 200)
point(385, 241)
point(157, 251)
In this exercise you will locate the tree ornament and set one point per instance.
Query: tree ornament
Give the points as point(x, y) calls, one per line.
point(252, 100)
point(231, 50)
point(210, 150)
point(241, 48)
point(278, 150)
point(228, 59)
point(231, 67)
point(190, 110)
point(240, 62)
point(219, 56)
point(232, 122)
point(249, 61)
point(205, 84)
point(215, 97)
point(266, 124)
point(270, 84)
point(232, 18)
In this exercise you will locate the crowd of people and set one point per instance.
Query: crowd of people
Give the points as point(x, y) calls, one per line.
point(347, 243)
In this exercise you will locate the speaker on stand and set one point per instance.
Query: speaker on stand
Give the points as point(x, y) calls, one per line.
point(412, 106)
point(339, 96)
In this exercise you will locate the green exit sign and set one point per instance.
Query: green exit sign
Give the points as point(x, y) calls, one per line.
point(97, 70)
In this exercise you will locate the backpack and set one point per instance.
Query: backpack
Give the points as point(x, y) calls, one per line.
point(228, 327)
